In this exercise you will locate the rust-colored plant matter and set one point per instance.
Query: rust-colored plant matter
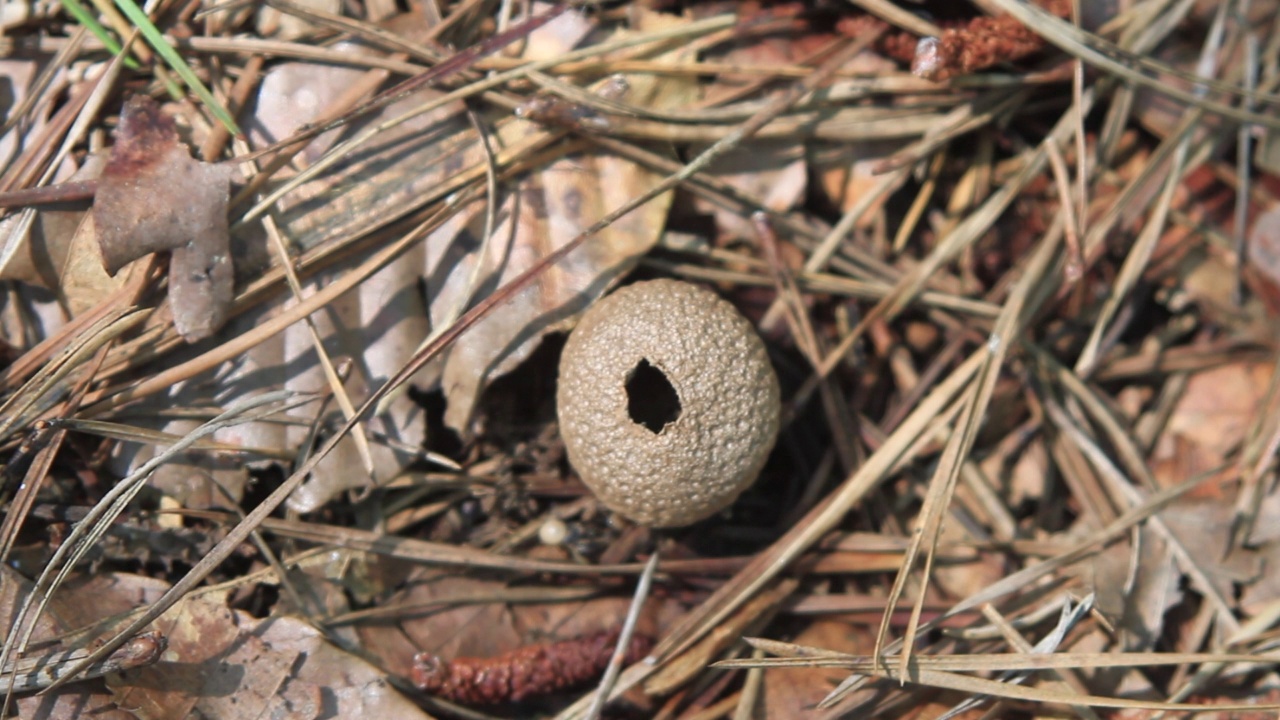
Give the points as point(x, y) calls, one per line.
point(523, 673)
point(983, 42)
point(976, 44)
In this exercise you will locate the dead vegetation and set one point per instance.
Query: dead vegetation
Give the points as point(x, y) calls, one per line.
point(1016, 266)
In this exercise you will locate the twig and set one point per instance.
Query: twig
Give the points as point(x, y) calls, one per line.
point(624, 639)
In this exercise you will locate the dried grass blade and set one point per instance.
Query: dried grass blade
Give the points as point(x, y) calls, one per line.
point(1022, 578)
point(340, 150)
point(999, 662)
point(1023, 302)
point(965, 683)
point(1140, 254)
point(1125, 445)
point(1121, 526)
point(1068, 618)
point(964, 234)
point(87, 532)
point(790, 650)
point(960, 120)
point(1102, 53)
point(331, 376)
point(47, 384)
point(25, 498)
point(624, 638)
point(823, 517)
point(423, 551)
point(899, 16)
point(1124, 492)
point(147, 436)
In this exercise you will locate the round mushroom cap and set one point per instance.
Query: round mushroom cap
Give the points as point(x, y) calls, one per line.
point(668, 404)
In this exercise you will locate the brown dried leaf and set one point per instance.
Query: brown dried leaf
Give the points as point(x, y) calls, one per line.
point(549, 209)
point(40, 256)
point(794, 692)
point(16, 76)
point(153, 196)
point(1210, 421)
point(1135, 591)
point(72, 701)
point(543, 213)
point(83, 283)
point(223, 663)
point(380, 323)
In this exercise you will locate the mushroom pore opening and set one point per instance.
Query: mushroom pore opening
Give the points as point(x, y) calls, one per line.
point(651, 399)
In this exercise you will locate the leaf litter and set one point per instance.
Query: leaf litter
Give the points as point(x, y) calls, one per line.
point(1036, 305)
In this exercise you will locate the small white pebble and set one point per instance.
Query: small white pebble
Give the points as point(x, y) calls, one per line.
point(553, 532)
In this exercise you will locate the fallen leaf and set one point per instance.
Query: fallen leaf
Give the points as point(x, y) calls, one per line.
point(76, 700)
point(154, 196)
point(453, 615)
point(543, 212)
point(775, 173)
point(223, 663)
point(16, 76)
point(795, 692)
point(1210, 421)
point(1135, 591)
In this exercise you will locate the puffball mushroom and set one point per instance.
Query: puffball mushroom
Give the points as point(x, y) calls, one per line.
point(667, 402)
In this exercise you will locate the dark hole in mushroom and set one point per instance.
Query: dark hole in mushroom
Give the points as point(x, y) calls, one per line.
point(651, 400)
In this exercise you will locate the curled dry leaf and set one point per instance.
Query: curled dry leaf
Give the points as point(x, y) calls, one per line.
point(223, 663)
point(546, 210)
point(379, 323)
point(154, 196)
point(56, 249)
point(1210, 421)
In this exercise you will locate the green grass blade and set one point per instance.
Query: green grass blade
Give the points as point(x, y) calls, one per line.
point(90, 22)
point(156, 40)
